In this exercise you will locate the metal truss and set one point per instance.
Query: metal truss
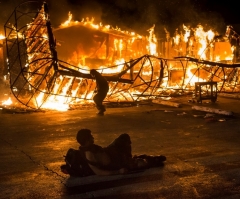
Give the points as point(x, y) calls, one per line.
point(37, 75)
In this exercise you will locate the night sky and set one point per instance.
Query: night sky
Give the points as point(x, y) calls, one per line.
point(140, 15)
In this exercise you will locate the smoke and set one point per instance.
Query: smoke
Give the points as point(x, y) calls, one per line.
point(135, 15)
point(6, 8)
point(173, 14)
point(140, 15)
point(79, 9)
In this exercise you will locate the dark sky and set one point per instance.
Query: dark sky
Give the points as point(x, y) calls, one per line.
point(140, 15)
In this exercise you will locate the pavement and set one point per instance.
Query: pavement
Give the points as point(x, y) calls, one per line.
point(202, 150)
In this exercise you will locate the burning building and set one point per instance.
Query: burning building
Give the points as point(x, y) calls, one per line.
point(50, 67)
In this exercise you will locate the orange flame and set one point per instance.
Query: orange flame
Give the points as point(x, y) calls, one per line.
point(7, 102)
point(152, 41)
point(2, 37)
point(203, 38)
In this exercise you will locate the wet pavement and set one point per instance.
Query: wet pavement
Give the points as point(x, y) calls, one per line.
point(202, 150)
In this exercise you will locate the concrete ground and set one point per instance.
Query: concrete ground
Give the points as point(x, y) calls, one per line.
point(202, 150)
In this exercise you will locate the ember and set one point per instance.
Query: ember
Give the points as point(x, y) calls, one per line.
point(50, 69)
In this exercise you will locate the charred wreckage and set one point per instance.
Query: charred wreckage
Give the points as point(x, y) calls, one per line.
point(48, 66)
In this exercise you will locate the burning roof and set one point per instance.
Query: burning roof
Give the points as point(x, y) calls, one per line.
point(49, 68)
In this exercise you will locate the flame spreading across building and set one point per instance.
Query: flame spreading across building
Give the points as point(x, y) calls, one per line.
point(50, 67)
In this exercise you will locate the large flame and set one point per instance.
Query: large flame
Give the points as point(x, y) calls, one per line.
point(192, 38)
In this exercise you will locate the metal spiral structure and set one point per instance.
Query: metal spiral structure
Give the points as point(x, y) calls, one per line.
point(37, 75)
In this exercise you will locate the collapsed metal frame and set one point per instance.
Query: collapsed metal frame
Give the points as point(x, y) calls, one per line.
point(37, 75)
